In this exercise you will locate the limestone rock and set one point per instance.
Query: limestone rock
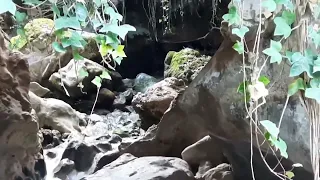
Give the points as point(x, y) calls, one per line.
point(56, 114)
point(146, 168)
point(19, 140)
point(157, 98)
point(185, 64)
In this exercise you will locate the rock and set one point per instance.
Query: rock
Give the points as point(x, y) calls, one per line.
point(221, 172)
point(105, 98)
point(66, 166)
point(157, 98)
point(19, 140)
point(51, 138)
point(147, 168)
point(117, 122)
point(123, 99)
point(203, 168)
point(56, 114)
point(38, 90)
point(185, 64)
point(128, 83)
point(143, 81)
point(76, 84)
point(43, 65)
point(211, 106)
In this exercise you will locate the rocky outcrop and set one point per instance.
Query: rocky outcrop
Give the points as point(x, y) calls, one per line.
point(56, 114)
point(147, 168)
point(19, 140)
point(185, 64)
point(157, 98)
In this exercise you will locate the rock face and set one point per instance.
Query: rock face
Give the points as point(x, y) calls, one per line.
point(56, 114)
point(157, 98)
point(185, 64)
point(19, 140)
point(143, 81)
point(146, 168)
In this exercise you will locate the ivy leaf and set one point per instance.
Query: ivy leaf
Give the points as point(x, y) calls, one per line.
point(313, 93)
point(232, 17)
point(67, 22)
point(83, 73)
point(282, 146)
point(119, 30)
point(57, 47)
point(118, 60)
point(76, 40)
point(240, 32)
point(32, 2)
point(105, 49)
point(105, 75)
point(81, 12)
point(96, 23)
point(113, 15)
point(315, 36)
point(270, 127)
point(238, 46)
point(274, 52)
point(297, 85)
point(8, 6)
point(119, 52)
point(242, 86)
point(300, 65)
point(315, 83)
point(289, 17)
point(20, 17)
point(282, 27)
point(97, 81)
point(289, 174)
point(316, 65)
point(77, 56)
point(270, 5)
point(264, 79)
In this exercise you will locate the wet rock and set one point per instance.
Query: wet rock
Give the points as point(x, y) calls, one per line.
point(56, 114)
point(147, 168)
point(185, 64)
point(157, 98)
point(143, 81)
point(51, 138)
point(65, 167)
point(19, 139)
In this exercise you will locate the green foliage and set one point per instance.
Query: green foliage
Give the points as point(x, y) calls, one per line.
point(76, 16)
point(271, 134)
point(274, 52)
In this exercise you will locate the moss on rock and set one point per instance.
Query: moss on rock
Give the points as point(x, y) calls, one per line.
point(39, 32)
point(18, 42)
point(185, 64)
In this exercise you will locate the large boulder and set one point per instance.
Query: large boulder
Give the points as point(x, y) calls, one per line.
point(19, 140)
point(157, 98)
point(56, 114)
point(147, 168)
point(185, 64)
point(211, 106)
